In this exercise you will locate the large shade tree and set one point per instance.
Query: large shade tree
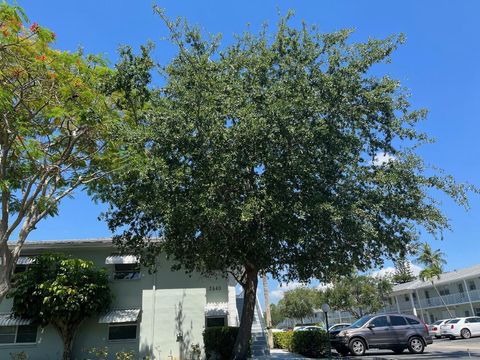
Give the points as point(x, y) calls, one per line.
point(281, 153)
point(358, 294)
point(54, 129)
point(299, 303)
point(62, 292)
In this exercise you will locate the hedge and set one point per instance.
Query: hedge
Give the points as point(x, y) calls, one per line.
point(283, 340)
point(312, 344)
point(219, 341)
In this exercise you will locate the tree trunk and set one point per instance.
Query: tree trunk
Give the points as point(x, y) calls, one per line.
point(67, 347)
point(240, 349)
point(6, 270)
point(268, 315)
point(67, 332)
point(443, 301)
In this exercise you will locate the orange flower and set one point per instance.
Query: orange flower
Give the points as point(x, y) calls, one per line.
point(41, 57)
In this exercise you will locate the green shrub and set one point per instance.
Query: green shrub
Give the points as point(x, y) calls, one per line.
point(219, 341)
point(283, 340)
point(312, 344)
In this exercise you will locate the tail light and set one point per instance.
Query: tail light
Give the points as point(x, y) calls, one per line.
point(426, 327)
point(434, 328)
point(452, 326)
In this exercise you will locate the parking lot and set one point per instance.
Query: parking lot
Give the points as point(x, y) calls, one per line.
point(440, 349)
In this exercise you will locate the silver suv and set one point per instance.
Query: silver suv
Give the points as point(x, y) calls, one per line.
point(390, 331)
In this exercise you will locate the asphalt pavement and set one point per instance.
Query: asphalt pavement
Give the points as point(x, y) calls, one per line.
point(440, 349)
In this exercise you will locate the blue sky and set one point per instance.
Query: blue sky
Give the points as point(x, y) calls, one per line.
point(438, 63)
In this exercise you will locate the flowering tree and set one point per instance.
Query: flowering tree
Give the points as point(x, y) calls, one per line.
point(62, 292)
point(54, 127)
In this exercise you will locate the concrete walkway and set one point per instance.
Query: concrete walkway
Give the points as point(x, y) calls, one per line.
point(280, 355)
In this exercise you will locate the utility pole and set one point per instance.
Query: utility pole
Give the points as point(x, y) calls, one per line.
point(268, 315)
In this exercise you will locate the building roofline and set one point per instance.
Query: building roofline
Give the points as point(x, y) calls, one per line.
point(470, 272)
point(73, 243)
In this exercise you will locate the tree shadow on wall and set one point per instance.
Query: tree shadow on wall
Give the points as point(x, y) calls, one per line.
point(187, 349)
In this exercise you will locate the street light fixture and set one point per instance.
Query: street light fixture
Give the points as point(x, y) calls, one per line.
point(326, 309)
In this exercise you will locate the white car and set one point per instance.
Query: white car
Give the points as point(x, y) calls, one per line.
point(434, 328)
point(338, 326)
point(465, 327)
point(309, 328)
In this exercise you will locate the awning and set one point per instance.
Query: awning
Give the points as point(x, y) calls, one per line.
point(119, 316)
point(25, 260)
point(216, 309)
point(121, 259)
point(10, 320)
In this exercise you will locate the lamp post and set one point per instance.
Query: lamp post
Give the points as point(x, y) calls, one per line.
point(326, 309)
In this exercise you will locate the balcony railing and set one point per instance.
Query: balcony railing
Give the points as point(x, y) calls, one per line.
point(450, 299)
point(436, 301)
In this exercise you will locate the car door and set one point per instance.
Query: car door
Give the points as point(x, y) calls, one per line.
point(400, 330)
point(378, 331)
point(474, 325)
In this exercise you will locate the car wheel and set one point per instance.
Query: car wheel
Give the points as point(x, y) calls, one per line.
point(465, 334)
point(398, 350)
point(357, 347)
point(415, 345)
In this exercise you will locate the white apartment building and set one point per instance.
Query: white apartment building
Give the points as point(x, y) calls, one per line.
point(459, 290)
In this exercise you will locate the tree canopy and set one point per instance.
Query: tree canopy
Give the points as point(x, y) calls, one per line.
point(433, 260)
point(265, 156)
point(358, 294)
point(403, 271)
point(54, 130)
point(299, 303)
point(61, 291)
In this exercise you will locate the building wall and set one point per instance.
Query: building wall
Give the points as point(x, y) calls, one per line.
point(172, 312)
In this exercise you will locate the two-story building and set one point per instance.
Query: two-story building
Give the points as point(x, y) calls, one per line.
point(157, 316)
point(457, 290)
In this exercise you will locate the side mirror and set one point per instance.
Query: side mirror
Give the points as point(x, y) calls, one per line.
point(371, 326)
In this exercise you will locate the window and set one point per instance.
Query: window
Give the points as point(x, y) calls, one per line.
point(460, 288)
point(471, 285)
point(397, 320)
point(444, 291)
point(412, 321)
point(380, 321)
point(123, 331)
point(127, 272)
point(19, 268)
point(215, 321)
point(18, 334)
point(414, 296)
point(467, 313)
point(407, 298)
point(427, 294)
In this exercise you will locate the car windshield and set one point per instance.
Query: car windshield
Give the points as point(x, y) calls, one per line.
point(360, 322)
point(453, 321)
point(437, 322)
